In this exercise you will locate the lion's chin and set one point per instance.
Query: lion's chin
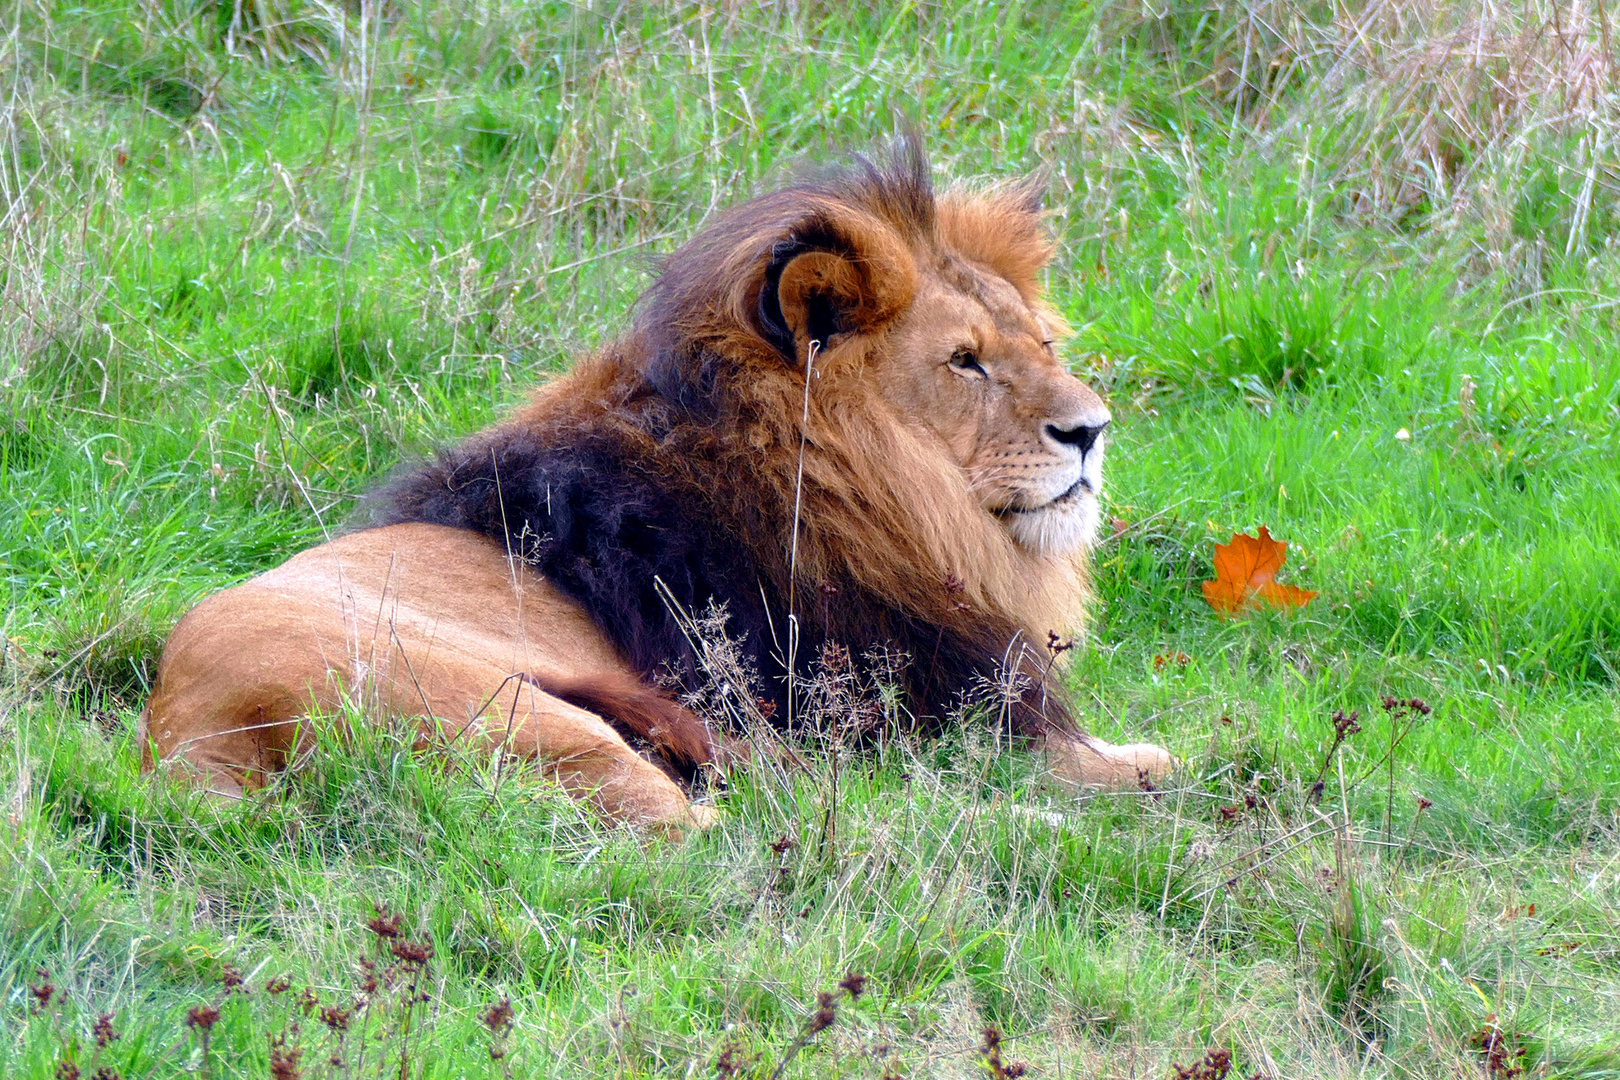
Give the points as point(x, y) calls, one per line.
point(1062, 528)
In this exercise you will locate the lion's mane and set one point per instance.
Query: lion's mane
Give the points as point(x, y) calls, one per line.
point(685, 452)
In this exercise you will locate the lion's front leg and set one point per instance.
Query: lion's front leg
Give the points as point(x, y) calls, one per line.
point(584, 754)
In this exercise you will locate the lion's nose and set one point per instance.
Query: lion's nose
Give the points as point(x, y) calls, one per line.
point(1083, 436)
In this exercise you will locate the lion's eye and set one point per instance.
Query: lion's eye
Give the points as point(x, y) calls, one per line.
point(966, 360)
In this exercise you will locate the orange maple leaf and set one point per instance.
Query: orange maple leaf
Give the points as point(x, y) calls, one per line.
point(1245, 569)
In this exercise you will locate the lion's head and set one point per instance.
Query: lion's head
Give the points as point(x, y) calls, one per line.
point(972, 361)
point(839, 408)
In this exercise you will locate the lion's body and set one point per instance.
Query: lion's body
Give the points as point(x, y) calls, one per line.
point(412, 621)
point(838, 414)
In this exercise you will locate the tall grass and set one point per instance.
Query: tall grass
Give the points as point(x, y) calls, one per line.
point(256, 254)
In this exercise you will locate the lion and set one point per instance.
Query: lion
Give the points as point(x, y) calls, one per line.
point(837, 415)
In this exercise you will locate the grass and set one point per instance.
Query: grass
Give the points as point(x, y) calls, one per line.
point(256, 255)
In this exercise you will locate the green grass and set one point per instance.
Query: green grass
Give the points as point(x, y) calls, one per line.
point(254, 258)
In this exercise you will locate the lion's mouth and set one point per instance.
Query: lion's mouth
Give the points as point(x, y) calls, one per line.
point(1073, 494)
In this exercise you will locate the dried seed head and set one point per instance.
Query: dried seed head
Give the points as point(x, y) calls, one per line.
point(103, 1031)
point(412, 953)
point(826, 1013)
point(1214, 1065)
point(1144, 780)
point(999, 1068)
point(335, 1018)
point(384, 923)
point(202, 1017)
point(232, 978)
point(835, 659)
point(279, 984)
point(1398, 707)
point(1501, 1050)
point(284, 1059)
point(733, 1063)
point(66, 1070)
point(498, 1017)
point(44, 990)
point(853, 984)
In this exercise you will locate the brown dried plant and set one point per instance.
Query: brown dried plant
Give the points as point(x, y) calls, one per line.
point(998, 1067)
point(851, 986)
point(1214, 1065)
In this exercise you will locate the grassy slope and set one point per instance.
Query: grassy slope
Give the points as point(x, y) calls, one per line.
point(238, 288)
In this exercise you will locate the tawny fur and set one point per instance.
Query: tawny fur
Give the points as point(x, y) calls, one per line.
point(412, 621)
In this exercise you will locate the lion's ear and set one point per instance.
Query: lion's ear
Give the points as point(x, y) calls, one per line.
point(852, 282)
point(818, 295)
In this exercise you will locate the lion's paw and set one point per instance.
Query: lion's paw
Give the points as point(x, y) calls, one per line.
point(1089, 762)
point(704, 815)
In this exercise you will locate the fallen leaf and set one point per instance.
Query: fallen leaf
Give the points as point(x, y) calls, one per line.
point(1245, 569)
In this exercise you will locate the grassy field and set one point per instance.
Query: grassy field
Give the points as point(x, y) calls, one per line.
point(1347, 271)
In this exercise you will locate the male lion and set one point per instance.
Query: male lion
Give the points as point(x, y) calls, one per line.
point(837, 412)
